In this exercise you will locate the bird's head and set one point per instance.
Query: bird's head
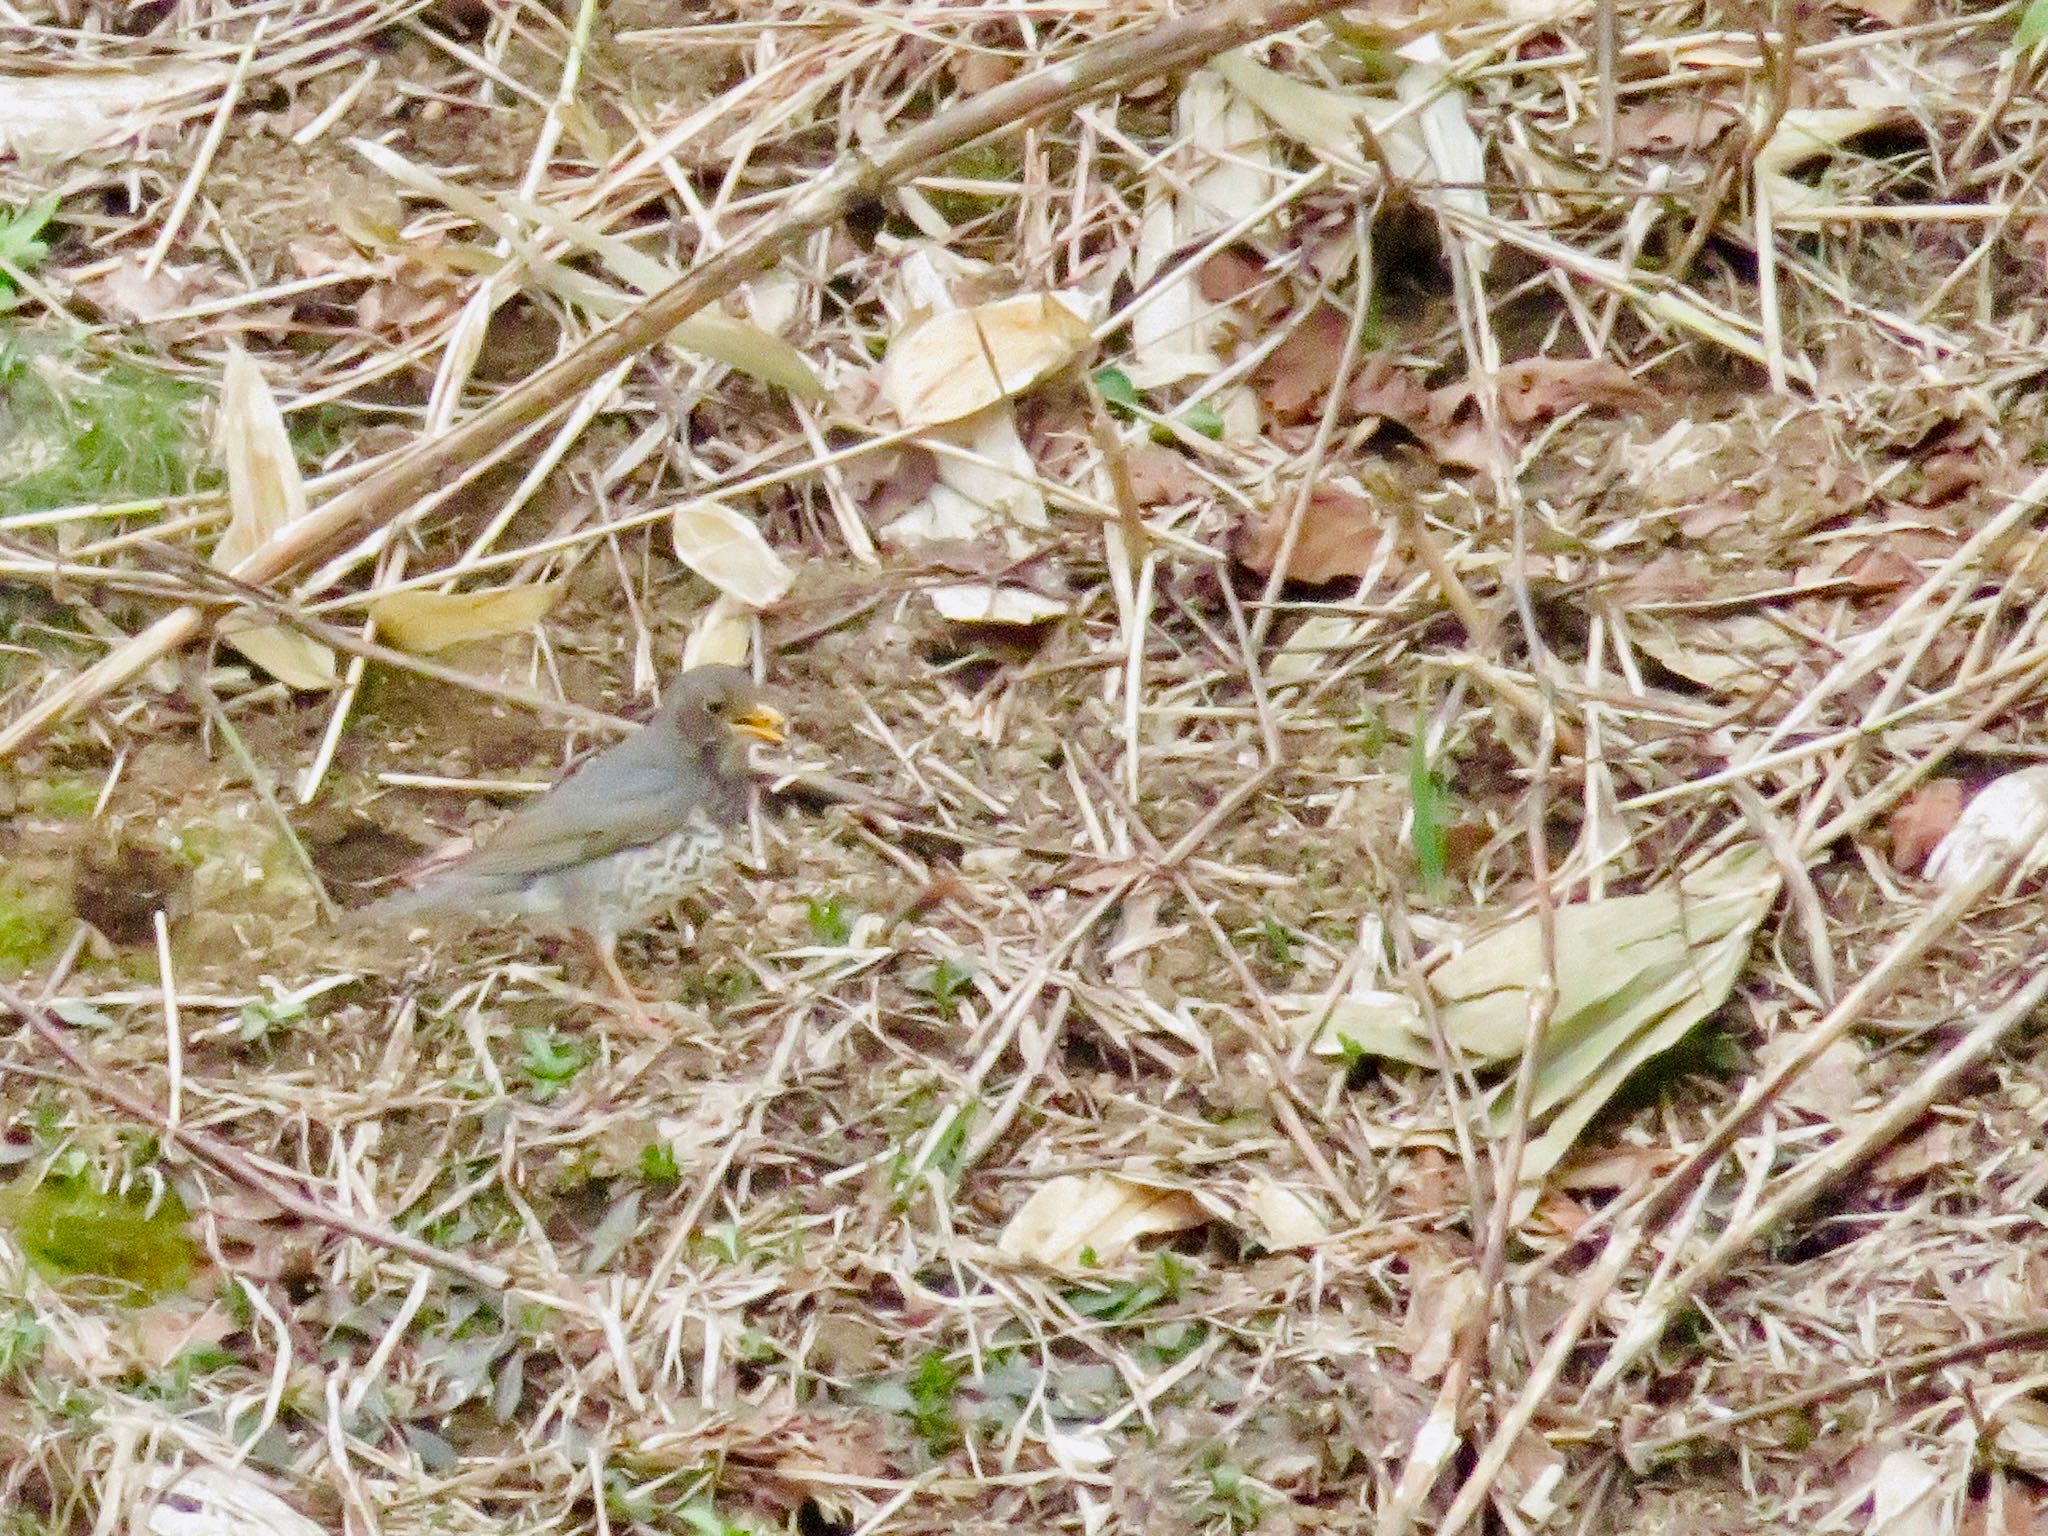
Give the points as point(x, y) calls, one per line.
point(719, 711)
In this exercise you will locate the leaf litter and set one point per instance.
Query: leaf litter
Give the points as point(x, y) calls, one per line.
point(1668, 534)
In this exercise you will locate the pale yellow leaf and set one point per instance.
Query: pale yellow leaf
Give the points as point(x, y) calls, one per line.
point(987, 603)
point(425, 622)
point(215, 1501)
point(1282, 1219)
point(1803, 134)
point(955, 363)
point(266, 495)
point(65, 116)
point(722, 634)
point(2003, 829)
point(727, 550)
point(1096, 1220)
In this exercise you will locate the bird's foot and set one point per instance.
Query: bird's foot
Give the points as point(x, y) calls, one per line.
point(626, 1000)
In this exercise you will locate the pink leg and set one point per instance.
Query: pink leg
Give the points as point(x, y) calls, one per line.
point(631, 1004)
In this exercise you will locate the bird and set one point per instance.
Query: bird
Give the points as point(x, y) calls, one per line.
point(621, 837)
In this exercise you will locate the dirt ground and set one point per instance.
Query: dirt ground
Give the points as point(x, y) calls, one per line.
point(1398, 895)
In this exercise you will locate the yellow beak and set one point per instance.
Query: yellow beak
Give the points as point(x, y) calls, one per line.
point(762, 723)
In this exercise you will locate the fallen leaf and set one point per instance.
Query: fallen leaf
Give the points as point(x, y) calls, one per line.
point(1436, 100)
point(987, 603)
point(722, 634)
point(1691, 124)
point(67, 115)
point(1879, 567)
point(1907, 1162)
point(1673, 577)
point(1538, 389)
point(1158, 474)
point(208, 1500)
point(1300, 372)
point(953, 364)
point(266, 495)
point(727, 550)
point(1393, 393)
point(1096, 1220)
point(1443, 1295)
point(1229, 166)
point(125, 292)
point(1905, 1496)
point(2004, 828)
point(1635, 973)
point(1829, 1087)
point(1341, 535)
point(1743, 655)
point(1945, 476)
point(1230, 274)
point(1919, 822)
point(1282, 1219)
point(424, 622)
point(1805, 134)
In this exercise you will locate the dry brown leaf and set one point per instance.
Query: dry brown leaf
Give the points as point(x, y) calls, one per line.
point(426, 622)
point(1919, 822)
point(1298, 373)
point(1879, 567)
point(1340, 536)
point(1673, 577)
point(1685, 126)
point(1229, 275)
point(1384, 390)
point(1947, 475)
point(1158, 474)
point(1907, 1162)
point(1443, 1294)
point(1537, 389)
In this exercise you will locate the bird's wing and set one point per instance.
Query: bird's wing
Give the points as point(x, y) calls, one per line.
point(637, 793)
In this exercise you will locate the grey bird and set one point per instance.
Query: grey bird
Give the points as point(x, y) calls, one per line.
point(623, 836)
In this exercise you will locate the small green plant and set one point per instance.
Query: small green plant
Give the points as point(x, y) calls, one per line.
point(268, 1016)
point(551, 1061)
point(1278, 942)
point(933, 1386)
point(70, 1227)
point(1123, 399)
point(34, 918)
point(1201, 417)
point(704, 1519)
point(828, 924)
point(22, 246)
point(1118, 392)
point(173, 1384)
point(92, 430)
point(658, 1164)
point(1369, 729)
point(67, 799)
point(1233, 1495)
point(1429, 798)
point(946, 982)
point(21, 1342)
point(1127, 1299)
point(2033, 27)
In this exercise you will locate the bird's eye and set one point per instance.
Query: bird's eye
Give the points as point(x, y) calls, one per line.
point(714, 708)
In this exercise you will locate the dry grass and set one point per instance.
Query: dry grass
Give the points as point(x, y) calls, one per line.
point(1041, 901)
